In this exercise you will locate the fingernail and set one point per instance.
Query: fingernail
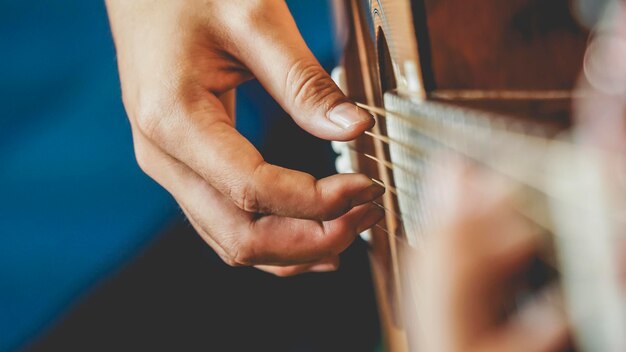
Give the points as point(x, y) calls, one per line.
point(347, 115)
point(372, 217)
point(323, 268)
point(367, 195)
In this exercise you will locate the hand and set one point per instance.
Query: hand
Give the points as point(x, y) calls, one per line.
point(465, 271)
point(179, 63)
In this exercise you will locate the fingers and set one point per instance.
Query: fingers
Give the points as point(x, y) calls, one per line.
point(279, 240)
point(539, 327)
point(181, 111)
point(322, 266)
point(194, 127)
point(275, 52)
point(600, 110)
point(482, 227)
point(206, 141)
point(469, 262)
point(241, 238)
point(275, 190)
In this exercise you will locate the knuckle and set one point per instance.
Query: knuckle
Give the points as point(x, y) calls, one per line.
point(238, 250)
point(245, 195)
point(230, 256)
point(245, 198)
point(256, 13)
point(226, 250)
point(244, 254)
point(308, 84)
point(230, 261)
point(155, 114)
point(143, 158)
point(336, 205)
point(254, 7)
point(148, 121)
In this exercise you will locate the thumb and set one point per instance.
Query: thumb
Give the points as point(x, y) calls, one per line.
point(275, 52)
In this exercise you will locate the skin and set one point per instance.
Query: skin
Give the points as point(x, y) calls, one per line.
point(466, 268)
point(601, 110)
point(179, 64)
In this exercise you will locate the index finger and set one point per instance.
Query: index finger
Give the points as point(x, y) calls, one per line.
point(205, 139)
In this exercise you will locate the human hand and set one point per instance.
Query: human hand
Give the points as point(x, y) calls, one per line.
point(465, 274)
point(179, 63)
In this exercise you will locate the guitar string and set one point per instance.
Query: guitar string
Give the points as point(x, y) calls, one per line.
point(396, 215)
point(446, 144)
point(400, 215)
point(527, 139)
point(389, 188)
point(468, 94)
point(394, 236)
point(391, 166)
point(385, 163)
point(422, 158)
point(410, 120)
point(399, 192)
point(394, 167)
point(388, 165)
point(423, 126)
point(390, 141)
point(396, 191)
point(386, 231)
point(526, 180)
point(407, 245)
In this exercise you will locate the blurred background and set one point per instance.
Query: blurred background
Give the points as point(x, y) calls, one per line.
point(96, 256)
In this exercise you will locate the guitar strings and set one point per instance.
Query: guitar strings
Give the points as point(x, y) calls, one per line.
point(401, 239)
point(525, 180)
point(433, 124)
point(388, 165)
point(424, 127)
point(396, 215)
point(393, 167)
point(385, 163)
point(400, 215)
point(520, 210)
point(389, 188)
point(388, 140)
point(528, 141)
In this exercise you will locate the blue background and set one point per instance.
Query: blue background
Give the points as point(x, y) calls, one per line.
point(73, 204)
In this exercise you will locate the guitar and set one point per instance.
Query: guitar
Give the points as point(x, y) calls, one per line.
point(494, 82)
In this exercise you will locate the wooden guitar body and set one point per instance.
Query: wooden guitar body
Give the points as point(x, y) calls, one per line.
point(512, 63)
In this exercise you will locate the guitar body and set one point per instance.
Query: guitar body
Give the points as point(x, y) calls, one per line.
point(516, 59)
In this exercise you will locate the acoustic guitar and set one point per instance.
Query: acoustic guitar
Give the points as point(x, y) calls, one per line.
point(494, 82)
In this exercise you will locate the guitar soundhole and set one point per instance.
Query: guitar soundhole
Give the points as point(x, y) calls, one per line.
point(385, 65)
point(540, 18)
